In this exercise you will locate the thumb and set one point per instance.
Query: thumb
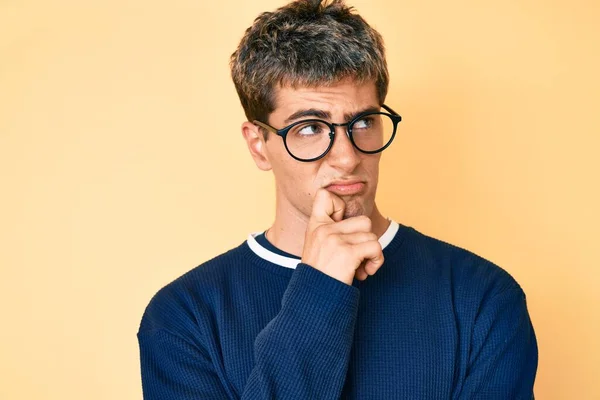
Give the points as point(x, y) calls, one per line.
point(328, 207)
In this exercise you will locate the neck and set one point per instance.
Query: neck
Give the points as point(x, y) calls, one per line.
point(288, 231)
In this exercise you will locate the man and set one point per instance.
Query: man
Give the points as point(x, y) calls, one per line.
point(334, 300)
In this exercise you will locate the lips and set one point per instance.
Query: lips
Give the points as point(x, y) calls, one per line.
point(346, 187)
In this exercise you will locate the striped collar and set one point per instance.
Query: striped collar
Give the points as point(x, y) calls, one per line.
point(289, 262)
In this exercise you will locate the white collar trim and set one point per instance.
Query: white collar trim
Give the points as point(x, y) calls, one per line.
point(290, 262)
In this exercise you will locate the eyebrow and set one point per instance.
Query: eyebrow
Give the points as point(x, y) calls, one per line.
point(321, 114)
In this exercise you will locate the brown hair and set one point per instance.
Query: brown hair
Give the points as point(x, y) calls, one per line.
point(305, 43)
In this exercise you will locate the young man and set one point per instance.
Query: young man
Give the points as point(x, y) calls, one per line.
point(290, 313)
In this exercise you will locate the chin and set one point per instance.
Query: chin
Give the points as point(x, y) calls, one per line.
point(354, 209)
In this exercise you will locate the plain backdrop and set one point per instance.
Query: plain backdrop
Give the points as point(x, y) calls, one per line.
point(122, 166)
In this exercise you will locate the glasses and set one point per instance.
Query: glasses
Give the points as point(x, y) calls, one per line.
point(311, 139)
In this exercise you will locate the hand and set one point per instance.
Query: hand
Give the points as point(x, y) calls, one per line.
point(340, 248)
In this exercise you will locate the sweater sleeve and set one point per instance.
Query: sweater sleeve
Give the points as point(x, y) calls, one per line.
point(303, 352)
point(504, 354)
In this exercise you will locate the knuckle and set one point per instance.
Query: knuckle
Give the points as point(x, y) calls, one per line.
point(321, 232)
point(377, 249)
point(366, 222)
point(332, 240)
point(377, 246)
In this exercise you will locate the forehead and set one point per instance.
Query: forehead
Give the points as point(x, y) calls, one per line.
point(338, 98)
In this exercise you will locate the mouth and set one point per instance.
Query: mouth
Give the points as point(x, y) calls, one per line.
point(345, 188)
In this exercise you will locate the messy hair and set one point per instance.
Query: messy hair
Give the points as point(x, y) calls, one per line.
point(306, 43)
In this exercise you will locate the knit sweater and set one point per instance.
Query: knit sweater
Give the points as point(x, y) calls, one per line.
point(434, 322)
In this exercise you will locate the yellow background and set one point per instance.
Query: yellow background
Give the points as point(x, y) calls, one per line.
point(122, 166)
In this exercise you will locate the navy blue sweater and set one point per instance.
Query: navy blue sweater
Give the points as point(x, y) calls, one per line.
point(434, 322)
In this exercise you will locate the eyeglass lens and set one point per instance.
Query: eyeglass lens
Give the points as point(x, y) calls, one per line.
point(311, 139)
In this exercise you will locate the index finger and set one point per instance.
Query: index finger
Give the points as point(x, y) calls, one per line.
point(327, 207)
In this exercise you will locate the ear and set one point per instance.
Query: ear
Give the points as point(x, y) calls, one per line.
point(256, 144)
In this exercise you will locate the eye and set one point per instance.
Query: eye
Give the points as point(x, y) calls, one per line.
point(310, 129)
point(363, 123)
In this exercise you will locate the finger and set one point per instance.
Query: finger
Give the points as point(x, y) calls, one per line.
point(353, 224)
point(327, 207)
point(372, 267)
point(370, 252)
point(359, 237)
point(360, 273)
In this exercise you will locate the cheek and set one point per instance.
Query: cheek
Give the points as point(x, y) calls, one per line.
point(304, 181)
point(371, 165)
point(279, 158)
point(299, 179)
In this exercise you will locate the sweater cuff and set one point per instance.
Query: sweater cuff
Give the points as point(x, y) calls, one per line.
point(322, 284)
point(324, 304)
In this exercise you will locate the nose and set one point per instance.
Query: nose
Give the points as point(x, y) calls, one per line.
point(343, 154)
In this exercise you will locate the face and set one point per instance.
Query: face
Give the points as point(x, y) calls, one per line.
point(296, 181)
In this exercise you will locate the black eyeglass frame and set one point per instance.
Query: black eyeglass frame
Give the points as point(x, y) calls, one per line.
point(394, 116)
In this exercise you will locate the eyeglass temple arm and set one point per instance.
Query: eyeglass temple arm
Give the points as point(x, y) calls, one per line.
point(265, 126)
point(388, 109)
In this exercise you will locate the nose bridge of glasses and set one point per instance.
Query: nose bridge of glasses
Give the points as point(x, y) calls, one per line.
point(345, 125)
point(336, 141)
